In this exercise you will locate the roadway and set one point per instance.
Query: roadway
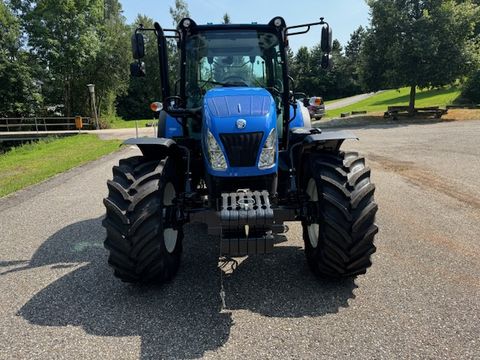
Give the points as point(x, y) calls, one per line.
point(421, 298)
point(337, 104)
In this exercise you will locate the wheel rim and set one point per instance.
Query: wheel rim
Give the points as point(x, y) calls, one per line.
point(169, 235)
point(313, 229)
point(168, 194)
point(170, 239)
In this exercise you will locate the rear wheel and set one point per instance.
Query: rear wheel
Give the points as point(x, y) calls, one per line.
point(340, 229)
point(143, 238)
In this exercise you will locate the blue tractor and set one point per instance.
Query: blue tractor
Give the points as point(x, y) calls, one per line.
point(236, 150)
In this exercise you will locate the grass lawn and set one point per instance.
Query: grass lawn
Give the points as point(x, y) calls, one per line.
point(32, 163)
point(119, 123)
point(381, 101)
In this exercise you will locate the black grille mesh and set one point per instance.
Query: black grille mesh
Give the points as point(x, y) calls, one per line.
point(242, 149)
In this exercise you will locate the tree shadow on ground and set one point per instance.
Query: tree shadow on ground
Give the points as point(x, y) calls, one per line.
point(181, 319)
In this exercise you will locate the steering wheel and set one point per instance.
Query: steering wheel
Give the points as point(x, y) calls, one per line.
point(178, 101)
point(235, 80)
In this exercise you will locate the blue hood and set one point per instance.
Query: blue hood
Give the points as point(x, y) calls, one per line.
point(223, 107)
point(239, 102)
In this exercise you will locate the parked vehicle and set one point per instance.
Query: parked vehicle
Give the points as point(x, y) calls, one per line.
point(316, 107)
point(237, 151)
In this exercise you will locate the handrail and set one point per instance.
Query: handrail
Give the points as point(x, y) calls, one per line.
point(41, 123)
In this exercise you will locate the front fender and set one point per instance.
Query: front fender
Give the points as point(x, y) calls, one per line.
point(156, 148)
point(328, 140)
point(334, 135)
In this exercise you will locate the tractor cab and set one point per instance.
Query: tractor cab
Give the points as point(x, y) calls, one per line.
point(227, 56)
point(234, 58)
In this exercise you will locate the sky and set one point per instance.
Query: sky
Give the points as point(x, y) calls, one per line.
point(344, 16)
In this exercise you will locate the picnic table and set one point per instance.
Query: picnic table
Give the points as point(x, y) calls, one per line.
point(394, 112)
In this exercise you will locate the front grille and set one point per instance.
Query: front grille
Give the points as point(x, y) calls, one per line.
point(242, 149)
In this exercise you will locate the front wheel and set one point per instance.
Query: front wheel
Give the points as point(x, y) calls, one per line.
point(340, 226)
point(143, 238)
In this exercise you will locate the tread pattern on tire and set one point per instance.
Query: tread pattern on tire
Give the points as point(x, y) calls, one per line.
point(346, 214)
point(134, 221)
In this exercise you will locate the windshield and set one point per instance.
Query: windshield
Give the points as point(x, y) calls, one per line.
point(225, 58)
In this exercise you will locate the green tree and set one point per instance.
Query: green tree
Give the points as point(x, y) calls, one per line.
point(471, 91)
point(109, 70)
point(226, 19)
point(315, 81)
point(292, 65)
point(303, 71)
point(352, 61)
point(78, 42)
point(178, 12)
point(471, 88)
point(416, 43)
point(63, 35)
point(19, 91)
point(134, 104)
point(335, 82)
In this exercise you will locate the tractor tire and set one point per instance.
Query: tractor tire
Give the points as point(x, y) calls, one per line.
point(340, 228)
point(143, 240)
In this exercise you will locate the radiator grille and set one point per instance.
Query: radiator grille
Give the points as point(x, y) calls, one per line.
point(242, 149)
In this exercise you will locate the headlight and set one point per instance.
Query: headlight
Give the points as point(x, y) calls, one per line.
point(267, 156)
point(215, 154)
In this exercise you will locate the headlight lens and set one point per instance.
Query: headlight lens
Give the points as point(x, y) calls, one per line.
point(267, 156)
point(215, 154)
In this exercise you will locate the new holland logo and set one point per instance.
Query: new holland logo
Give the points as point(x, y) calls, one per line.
point(241, 124)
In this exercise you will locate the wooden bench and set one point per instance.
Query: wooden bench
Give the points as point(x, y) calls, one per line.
point(394, 112)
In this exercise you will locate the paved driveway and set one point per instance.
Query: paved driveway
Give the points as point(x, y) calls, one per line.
point(421, 298)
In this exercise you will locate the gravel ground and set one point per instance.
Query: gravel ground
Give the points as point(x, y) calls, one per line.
point(421, 298)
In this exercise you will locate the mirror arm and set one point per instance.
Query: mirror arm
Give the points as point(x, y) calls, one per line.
point(300, 32)
point(308, 26)
point(140, 28)
point(294, 88)
point(177, 35)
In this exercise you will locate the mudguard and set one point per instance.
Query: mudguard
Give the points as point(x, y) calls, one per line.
point(318, 139)
point(329, 140)
point(329, 136)
point(156, 148)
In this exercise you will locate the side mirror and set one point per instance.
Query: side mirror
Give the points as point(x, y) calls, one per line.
point(327, 39)
point(327, 62)
point(137, 69)
point(138, 46)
